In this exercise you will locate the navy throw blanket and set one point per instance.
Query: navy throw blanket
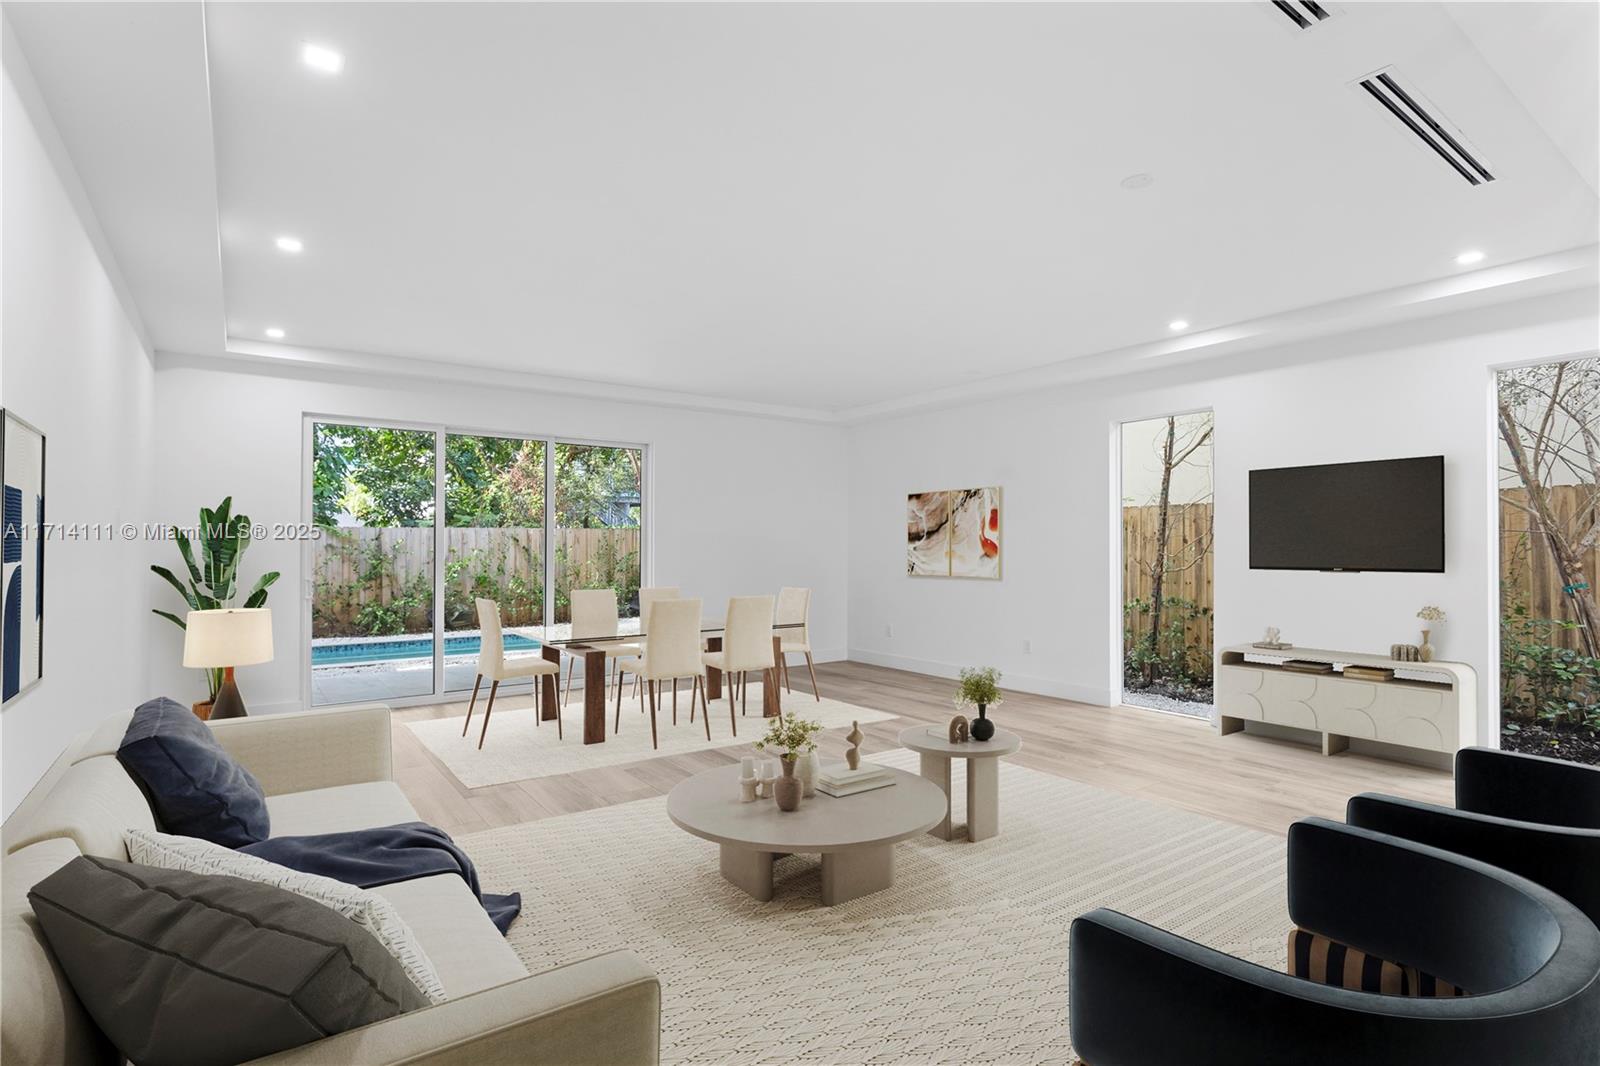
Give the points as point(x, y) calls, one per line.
point(369, 858)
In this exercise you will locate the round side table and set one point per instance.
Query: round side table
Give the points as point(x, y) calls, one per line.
point(983, 774)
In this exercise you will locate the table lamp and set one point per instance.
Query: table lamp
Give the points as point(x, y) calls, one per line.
point(228, 638)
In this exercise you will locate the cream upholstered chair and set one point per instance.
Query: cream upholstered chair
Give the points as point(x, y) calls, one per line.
point(671, 653)
point(746, 646)
point(647, 596)
point(594, 615)
point(794, 605)
point(493, 664)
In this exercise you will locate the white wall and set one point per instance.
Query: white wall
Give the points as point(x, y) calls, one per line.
point(1420, 389)
point(737, 505)
point(71, 363)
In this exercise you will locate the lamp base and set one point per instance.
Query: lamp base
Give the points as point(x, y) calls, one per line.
point(228, 704)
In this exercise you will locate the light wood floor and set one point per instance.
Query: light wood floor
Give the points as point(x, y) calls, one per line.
point(1261, 783)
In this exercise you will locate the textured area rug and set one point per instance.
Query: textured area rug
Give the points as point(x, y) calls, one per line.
point(963, 960)
point(516, 749)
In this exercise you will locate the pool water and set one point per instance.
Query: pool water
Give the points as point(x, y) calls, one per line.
point(377, 651)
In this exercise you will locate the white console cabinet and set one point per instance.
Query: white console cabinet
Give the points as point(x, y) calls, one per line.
point(1430, 705)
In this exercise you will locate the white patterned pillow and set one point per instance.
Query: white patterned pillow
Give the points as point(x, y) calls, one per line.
point(367, 909)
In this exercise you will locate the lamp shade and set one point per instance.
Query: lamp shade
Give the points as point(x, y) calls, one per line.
point(229, 637)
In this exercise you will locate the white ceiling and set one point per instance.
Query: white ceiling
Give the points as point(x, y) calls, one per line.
point(818, 207)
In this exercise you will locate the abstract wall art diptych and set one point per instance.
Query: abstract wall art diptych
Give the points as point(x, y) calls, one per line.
point(954, 533)
point(22, 587)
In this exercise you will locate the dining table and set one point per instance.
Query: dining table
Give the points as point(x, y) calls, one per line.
point(592, 650)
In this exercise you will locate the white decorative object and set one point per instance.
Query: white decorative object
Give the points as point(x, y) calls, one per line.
point(747, 767)
point(1431, 707)
point(748, 787)
point(768, 776)
point(367, 909)
point(805, 768)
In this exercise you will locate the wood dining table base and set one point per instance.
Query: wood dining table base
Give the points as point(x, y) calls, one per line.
point(594, 695)
point(771, 698)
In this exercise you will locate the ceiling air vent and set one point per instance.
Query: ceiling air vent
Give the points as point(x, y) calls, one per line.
point(1420, 120)
point(1303, 13)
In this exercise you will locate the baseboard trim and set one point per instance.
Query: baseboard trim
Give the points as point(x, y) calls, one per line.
point(1038, 686)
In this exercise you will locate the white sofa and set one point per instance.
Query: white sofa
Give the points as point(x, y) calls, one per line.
point(322, 771)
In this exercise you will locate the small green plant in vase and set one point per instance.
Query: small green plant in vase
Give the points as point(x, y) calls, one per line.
point(980, 687)
point(790, 737)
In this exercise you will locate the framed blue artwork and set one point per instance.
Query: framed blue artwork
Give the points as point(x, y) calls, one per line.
point(22, 619)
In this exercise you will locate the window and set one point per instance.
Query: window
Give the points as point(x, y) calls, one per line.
point(387, 623)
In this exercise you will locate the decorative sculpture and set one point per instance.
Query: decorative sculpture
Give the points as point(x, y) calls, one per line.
point(958, 729)
point(853, 756)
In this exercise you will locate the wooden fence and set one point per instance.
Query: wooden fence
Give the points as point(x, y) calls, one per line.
point(1527, 567)
point(1188, 546)
point(363, 574)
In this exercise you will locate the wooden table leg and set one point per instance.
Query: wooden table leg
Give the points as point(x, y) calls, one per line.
point(713, 675)
point(857, 872)
point(983, 799)
point(771, 696)
point(936, 768)
point(550, 705)
point(594, 695)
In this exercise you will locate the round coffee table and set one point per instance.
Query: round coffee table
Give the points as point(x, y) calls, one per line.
point(983, 774)
point(855, 835)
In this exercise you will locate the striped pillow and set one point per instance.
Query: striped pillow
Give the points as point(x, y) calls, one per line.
point(367, 909)
point(1328, 962)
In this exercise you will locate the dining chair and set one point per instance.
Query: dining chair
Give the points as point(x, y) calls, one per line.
point(493, 664)
point(594, 615)
point(746, 646)
point(794, 605)
point(671, 654)
point(647, 596)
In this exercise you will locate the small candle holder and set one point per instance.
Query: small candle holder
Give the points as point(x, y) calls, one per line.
point(768, 776)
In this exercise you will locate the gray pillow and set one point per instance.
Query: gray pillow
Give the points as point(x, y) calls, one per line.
point(195, 788)
point(184, 969)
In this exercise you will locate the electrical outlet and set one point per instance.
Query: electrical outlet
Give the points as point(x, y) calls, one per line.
point(1027, 647)
point(888, 630)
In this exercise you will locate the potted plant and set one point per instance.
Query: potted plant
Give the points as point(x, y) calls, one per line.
point(792, 738)
point(980, 687)
point(214, 578)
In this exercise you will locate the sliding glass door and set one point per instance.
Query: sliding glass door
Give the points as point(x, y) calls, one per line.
point(391, 594)
point(372, 567)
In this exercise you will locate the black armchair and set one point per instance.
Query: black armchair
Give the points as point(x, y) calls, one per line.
point(1140, 995)
point(1536, 817)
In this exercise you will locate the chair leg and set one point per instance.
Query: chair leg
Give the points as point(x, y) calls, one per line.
point(733, 719)
point(571, 663)
point(785, 662)
point(654, 743)
point(744, 691)
point(559, 735)
point(813, 668)
point(701, 692)
point(537, 712)
point(618, 727)
point(692, 707)
point(474, 700)
point(674, 701)
point(488, 709)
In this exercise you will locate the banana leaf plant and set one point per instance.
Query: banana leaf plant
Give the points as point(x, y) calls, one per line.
point(214, 574)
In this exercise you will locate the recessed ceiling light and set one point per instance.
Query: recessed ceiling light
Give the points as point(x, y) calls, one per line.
point(1135, 182)
point(326, 60)
point(289, 244)
point(1178, 324)
point(275, 333)
point(1468, 258)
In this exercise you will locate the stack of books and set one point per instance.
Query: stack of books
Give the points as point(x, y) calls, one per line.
point(837, 779)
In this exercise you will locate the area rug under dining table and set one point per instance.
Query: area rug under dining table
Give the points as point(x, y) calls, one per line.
point(517, 748)
point(964, 959)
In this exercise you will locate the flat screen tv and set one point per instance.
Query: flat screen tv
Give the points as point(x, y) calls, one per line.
point(1386, 515)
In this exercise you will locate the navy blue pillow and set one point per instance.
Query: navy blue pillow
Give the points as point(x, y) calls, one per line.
point(195, 788)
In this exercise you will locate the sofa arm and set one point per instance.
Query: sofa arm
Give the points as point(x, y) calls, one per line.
point(302, 750)
point(605, 1010)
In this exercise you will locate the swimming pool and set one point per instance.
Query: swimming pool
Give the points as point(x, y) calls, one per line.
point(377, 651)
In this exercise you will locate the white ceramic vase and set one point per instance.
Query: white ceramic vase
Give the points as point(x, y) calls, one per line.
point(805, 768)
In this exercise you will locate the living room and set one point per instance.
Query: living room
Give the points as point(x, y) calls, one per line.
point(786, 532)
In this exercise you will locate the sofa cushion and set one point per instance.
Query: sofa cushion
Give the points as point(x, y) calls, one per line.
point(367, 909)
point(43, 1020)
point(338, 809)
point(183, 968)
point(466, 949)
point(195, 787)
point(91, 804)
